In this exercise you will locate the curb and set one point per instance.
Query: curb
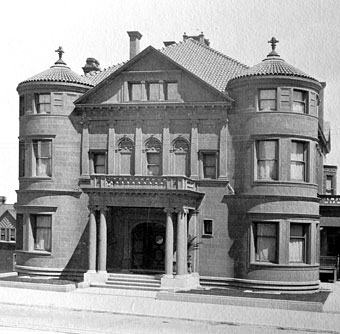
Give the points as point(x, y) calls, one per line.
point(291, 305)
point(38, 286)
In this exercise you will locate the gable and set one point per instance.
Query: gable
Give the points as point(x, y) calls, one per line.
point(151, 77)
point(7, 220)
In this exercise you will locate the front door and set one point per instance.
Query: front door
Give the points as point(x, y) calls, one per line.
point(148, 243)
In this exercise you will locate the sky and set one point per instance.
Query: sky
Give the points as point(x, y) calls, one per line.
point(308, 32)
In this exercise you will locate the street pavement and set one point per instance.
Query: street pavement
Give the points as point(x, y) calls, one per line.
point(103, 310)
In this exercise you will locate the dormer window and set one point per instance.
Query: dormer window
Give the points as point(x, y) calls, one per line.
point(267, 100)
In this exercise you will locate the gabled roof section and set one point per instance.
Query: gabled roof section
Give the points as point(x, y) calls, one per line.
point(209, 65)
point(7, 208)
point(185, 64)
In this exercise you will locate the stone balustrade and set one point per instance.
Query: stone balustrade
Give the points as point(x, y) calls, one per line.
point(142, 182)
point(329, 199)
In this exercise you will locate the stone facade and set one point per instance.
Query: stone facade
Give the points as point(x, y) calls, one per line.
point(117, 169)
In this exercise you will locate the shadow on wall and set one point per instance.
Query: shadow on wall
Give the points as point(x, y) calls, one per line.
point(78, 263)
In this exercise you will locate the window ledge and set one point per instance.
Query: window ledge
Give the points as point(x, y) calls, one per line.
point(35, 252)
point(7, 242)
point(283, 265)
point(36, 178)
point(207, 236)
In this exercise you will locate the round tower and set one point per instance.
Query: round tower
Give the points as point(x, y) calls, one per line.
point(49, 169)
point(274, 128)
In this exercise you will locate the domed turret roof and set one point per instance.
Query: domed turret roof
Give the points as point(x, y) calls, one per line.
point(60, 72)
point(273, 65)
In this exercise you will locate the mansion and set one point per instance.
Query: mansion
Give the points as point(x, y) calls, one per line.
point(119, 168)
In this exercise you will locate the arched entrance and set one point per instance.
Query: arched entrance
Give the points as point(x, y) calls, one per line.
point(148, 247)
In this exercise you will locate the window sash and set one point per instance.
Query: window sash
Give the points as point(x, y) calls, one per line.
point(266, 155)
point(44, 104)
point(153, 91)
point(41, 226)
point(298, 161)
point(297, 243)
point(299, 101)
point(207, 227)
point(153, 163)
point(265, 242)
point(99, 163)
point(171, 91)
point(135, 91)
point(43, 157)
point(267, 99)
point(209, 165)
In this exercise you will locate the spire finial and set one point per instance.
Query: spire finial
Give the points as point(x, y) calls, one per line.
point(60, 53)
point(273, 42)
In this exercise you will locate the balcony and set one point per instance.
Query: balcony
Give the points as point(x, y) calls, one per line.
point(141, 182)
point(329, 200)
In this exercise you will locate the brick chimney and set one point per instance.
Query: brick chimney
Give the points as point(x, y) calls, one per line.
point(135, 37)
point(2, 200)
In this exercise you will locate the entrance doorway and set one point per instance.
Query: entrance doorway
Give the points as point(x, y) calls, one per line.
point(148, 247)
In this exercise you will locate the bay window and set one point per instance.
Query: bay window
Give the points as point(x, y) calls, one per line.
point(41, 226)
point(267, 159)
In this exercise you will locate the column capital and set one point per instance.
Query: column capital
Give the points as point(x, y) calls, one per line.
point(103, 208)
point(112, 122)
point(169, 210)
point(181, 210)
point(85, 122)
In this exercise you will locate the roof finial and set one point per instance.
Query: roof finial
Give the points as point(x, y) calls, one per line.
point(60, 53)
point(273, 42)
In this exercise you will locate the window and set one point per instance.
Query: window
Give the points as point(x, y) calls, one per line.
point(153, 91)
point(41, 229)
point(181, 157)
point(42, 157)
point(22, 160)
point(7, 234)
point(98, 162)
point(207, 227)
point(266, 157)
point(299, 101)
point(43, 103)
point(209, 165)
point(265, 238)
point(267, 100)
point(135, 91)
point(171, 91)
point(153, 149)
point(329, 185)
point(298, 161)
point(21, 105)
point(125, 148)
point(297, 243)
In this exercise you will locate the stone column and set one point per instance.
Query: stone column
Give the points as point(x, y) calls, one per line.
point(194, 231)
point(92, 242)
point(223, 151)
point(194, 150)
point(138, 148)
point(111, 148)
point(85, 146)
point(102, 249)
point(169, 243)
point(182, 253)
point(166, 147)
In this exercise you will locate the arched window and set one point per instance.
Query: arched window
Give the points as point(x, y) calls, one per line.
point(181, 157)
point(153, 150)
point(125, 149)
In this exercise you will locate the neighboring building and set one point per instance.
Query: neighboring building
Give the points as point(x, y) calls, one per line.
point(7, 235)
point(119, 166)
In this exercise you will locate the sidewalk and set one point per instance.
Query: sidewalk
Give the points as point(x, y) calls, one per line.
point(153, 304)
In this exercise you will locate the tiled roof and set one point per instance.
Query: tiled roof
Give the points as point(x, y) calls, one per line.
point(98, 76)
point(208, 64)
point(60, 73)
point(273, 65)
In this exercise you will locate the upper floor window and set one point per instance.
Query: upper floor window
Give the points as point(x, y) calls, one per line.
point(42, 150)
point(265, 239)
point(298, 161)
point(329, 185)
point(153, 149)
point(22, 105)
point(171, 91)
point(181, 157)
point(22, 158)
point(153, 92)
point(135, 91)
point(43, 103)
point(209, 160)
point(267, 161)
point(98, 162)
point(267, 100)
point(125, 148)
point(299, 101)
point(298, 242)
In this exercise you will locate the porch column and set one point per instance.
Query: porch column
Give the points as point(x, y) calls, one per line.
point(102, 242)
point(181, 254)
point(85, 146)
point(92, 241)
point(169, 243)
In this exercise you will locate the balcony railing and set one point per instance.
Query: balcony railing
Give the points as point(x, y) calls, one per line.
point(142, 182)
point(330, 199)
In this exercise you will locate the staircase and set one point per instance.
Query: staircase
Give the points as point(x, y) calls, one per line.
point(132, 282)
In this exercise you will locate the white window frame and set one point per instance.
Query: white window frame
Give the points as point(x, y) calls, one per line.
point(258, 159)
